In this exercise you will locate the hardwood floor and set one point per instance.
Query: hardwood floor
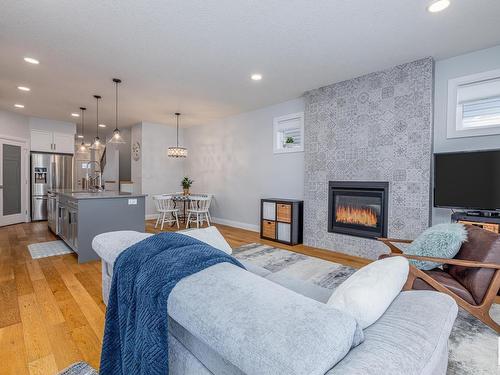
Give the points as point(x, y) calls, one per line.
point(51, 312)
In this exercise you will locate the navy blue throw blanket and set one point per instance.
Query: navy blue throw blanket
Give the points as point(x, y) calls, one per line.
point(136, 331)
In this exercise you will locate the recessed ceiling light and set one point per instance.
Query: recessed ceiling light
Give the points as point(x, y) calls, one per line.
point(102, 125)
point(31, 60)
point(438, 6)
point(75, 115)
point(256, 76)
point(23, 88)
point(19, 105)
point(79, 136)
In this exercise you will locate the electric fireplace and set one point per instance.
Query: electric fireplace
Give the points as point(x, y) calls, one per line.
point(358, 208)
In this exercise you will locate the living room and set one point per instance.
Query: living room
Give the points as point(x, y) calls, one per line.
point(344, 154)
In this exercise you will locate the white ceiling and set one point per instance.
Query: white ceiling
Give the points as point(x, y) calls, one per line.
point(196, 56)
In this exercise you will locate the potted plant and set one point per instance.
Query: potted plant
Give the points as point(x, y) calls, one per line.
point(289, 141)
point(186, 184)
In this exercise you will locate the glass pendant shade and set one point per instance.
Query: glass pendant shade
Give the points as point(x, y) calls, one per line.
point(117, 137)
point(82, 149)
point(177, 152)
point(96, 144)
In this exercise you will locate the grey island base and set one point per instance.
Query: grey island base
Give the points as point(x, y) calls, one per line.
point(77, 217)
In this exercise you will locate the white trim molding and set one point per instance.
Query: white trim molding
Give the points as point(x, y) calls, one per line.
point(292, 124)
point(454, 125)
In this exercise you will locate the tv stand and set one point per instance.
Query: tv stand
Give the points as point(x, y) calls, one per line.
point(485, 219)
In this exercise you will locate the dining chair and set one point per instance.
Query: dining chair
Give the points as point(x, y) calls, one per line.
point(198, 211)
point(167, 213)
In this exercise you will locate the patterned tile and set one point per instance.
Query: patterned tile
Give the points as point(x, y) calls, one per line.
point(375, 127)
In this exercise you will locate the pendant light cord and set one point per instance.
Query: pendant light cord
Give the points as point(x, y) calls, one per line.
point(177, 129)
point(83, 125)
point(97, 118)
point(116, 106)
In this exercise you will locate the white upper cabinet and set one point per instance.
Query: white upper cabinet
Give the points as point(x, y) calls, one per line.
point(64, 143)
point(41, 141)
point(46, 141)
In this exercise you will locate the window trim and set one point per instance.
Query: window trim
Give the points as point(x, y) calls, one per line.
point(454, 128)
point(278, 126)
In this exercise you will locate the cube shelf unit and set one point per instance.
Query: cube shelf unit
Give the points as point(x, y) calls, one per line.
point(281, 220)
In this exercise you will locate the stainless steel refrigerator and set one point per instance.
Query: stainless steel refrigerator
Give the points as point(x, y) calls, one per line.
point(48, 171)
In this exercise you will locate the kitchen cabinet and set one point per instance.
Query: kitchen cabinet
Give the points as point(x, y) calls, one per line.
point(45, 141)
point(82, 215)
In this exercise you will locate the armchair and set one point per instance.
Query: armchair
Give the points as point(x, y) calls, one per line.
point(472, 278)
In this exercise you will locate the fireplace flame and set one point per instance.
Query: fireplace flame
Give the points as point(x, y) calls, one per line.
point(355, 215)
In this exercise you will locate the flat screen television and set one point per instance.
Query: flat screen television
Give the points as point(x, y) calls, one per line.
point(467, 180)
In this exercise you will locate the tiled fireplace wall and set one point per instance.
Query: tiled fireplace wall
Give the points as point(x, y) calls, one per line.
point(377, 127)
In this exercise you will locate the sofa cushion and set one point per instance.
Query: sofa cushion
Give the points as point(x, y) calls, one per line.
point(481, 246)
point(410, 338)
point(259, 326)
point(448, 281)
point(368, 292)
point(209, 235)
point(300, 286)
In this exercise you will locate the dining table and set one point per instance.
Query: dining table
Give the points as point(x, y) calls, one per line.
point(185, 200)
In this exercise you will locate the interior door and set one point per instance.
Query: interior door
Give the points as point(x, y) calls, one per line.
point(13, 182)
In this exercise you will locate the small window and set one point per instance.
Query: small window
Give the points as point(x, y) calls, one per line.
point(289, 133)
point(474, 105)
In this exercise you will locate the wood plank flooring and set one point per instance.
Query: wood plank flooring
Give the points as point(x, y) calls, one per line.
point(51, 312)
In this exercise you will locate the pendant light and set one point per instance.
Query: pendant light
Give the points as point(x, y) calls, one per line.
point(177, 152)
point(117, 137)
point(83, 148)
point(96, 145)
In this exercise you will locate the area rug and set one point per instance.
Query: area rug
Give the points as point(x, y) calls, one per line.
point(473, 345)
point(48, 249)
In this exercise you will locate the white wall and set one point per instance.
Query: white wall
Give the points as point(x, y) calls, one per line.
point(124, 149)
point(136, 165)
point(155, 173)
point(471, 63)
point(233, 159)
point(14, 125)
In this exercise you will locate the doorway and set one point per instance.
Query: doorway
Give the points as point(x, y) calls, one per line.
point(13, 181)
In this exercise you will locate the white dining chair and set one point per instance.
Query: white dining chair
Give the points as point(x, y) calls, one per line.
point(198, 211)
point(166, 211)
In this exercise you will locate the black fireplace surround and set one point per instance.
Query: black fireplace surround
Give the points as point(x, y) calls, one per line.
point(358, 208)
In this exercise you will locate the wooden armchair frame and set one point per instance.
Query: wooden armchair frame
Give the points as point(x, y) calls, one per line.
point(481, 311)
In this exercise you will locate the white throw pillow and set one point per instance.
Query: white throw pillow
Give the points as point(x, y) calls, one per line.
point(211, 236)
point(368, 292)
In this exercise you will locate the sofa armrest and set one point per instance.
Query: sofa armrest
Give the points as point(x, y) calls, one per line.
point(261, 327)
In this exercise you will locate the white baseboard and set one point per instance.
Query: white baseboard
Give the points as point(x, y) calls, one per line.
point(236, 224)
point(231, 223)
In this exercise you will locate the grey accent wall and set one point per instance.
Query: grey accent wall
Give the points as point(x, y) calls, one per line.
point(470, 63)
point(377, 127)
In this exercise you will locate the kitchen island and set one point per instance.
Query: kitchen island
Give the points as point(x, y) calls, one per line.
point(78, 216)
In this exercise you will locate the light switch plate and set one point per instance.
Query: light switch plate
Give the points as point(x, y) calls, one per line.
point(132, 202)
